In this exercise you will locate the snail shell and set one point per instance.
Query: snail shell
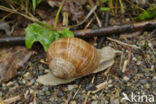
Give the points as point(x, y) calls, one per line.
point(72, 57)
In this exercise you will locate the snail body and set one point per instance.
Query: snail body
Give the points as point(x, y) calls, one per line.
point(72, 57)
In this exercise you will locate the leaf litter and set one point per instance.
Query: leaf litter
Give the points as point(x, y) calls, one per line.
point(11, 59)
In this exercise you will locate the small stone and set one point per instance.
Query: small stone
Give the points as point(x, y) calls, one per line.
point(110, 85)
point(27, 74)
point(45, 88)
point(70, 87)
point(1, 94)
point(48, 93)
point(154, 78)
point(134, 59)
point(9, 83)
point(116, 101)
point(23, 81)
point(147, 86)
point(73, 102)
point(94, 102)
point(139, 63)
point(60, 93)
point(42, 97)
point(154, 84)
point(41, 93)
point(125, 78)
point(110, 81)
point(93, 97)
point(143, 81)
point(32, 82)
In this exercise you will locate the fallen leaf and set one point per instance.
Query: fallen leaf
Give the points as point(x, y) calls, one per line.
point(49, 79)
point(73, 7)
point(12, 59)
point(5, 26)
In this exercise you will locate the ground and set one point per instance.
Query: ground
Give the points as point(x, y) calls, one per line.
point(133, 74)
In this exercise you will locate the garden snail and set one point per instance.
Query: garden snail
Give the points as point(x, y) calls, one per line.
point(71, 58)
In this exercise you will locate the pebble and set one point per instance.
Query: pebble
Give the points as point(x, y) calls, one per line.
point(154, 78)
point(73, 102)
point(45, 88)
point(9, 83)
point(1, 94)
point(125, 78)
point(139, 63)
point(42, 97)
point(48, 93)
point(93, 97)
point(27, 76)
point(60, 93)
point(154, 84)
point(32, 82)
point(143, 81)
point(71, 87)
point(116, 101)
point(23, 81)
point(94, 102)
point(147, 86)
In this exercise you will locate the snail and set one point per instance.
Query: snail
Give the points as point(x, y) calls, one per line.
point(71, 58)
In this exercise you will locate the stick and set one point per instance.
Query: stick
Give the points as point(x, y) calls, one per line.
point(14, 40)
point(122, 43)
point(105, 25)
point(117, 29)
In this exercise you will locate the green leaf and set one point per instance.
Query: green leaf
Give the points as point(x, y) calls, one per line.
point(35, 32)
point(104, 1)
point(148, 14)
point(35, 3)
point(104, 9)
point(38, 33)
point(66, 33)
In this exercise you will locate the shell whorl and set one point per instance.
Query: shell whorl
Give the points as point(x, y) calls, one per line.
point(72, 57)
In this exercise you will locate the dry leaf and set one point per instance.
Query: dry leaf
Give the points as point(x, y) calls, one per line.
point(12, 59)
point(49, 79)
point(5, 27)
point(72, 7)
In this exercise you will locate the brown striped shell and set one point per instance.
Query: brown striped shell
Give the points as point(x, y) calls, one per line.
point(72, 57)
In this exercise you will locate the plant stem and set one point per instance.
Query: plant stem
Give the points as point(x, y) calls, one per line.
point(57, 15)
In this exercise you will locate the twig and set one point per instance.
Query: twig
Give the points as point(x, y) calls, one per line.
point(105, 25)
point(13, 99)
point(117, 29)
point(15, 11)
point(147, 25)
point(88, 15)
point(86, 98)
point(100, 87)
point(122, 43)
point(30, 16)
point(125, 66)
point(2, 101)
point(135, 5)
point(97, 18)
point(91, 20)
point(76, 92)
point(15, 40)
point(88, 93)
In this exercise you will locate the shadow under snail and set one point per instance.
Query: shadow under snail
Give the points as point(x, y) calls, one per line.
point(71, 58)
